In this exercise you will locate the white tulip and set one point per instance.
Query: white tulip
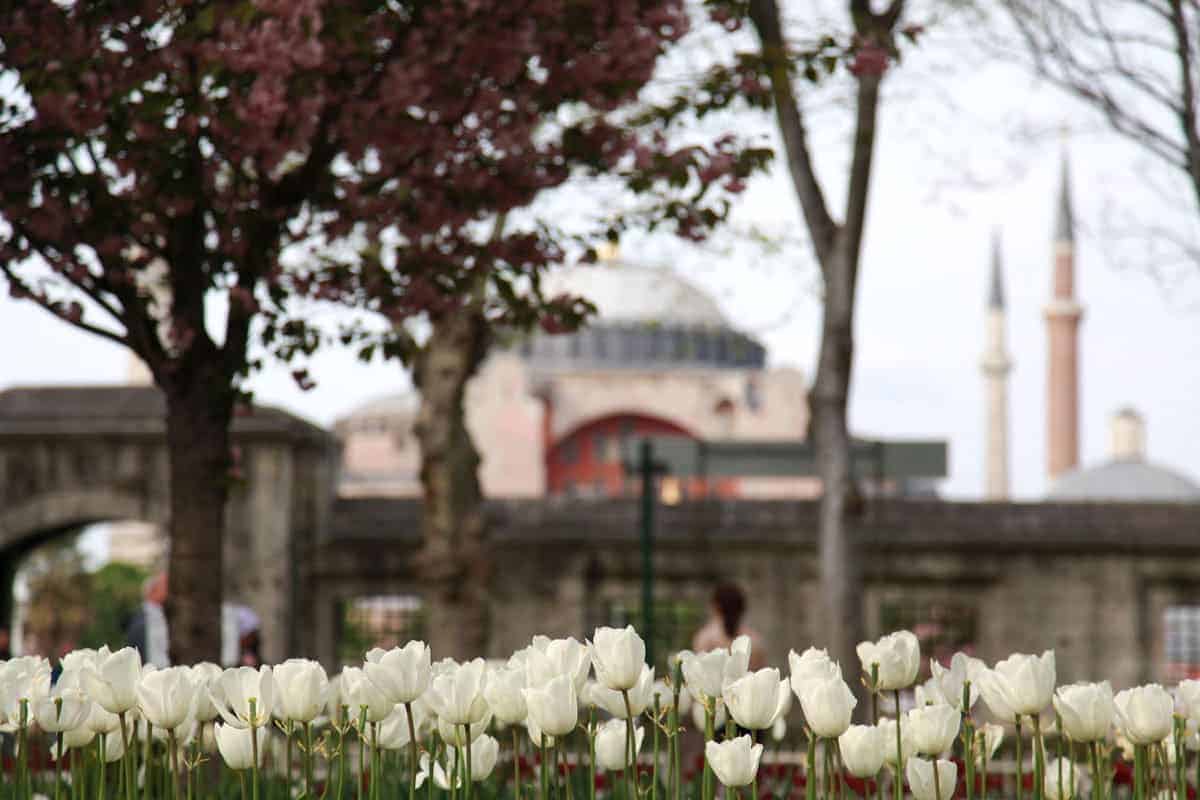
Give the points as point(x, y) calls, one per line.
point(1187, 699)
point(73, 739)
point(204, 674)
point(24, 680)
point(862, 748)
point(1060, 781)
point(485, 752)
point(828, 705)
point(456, 695)
point(394, 730)
point(779, 729)
point(536, 736)
point(1025, 683)
point(898, 656)
point(1086, 710)
point(921, 781)
point(618, 655)
point(988, 738)
point(554, 708)
point(64, 709)
point(100, 721)
point(756, 699)
point(363, 697)
point(612, 701)
point(81, 657)
point(547, 658)
point(236, 746)
point(166, 697)
point(503, 694)
point(734, 761)
point(888, 727)
point(933, 728)
point(402, 673)
point(301, 686)
point(996, 697)
point(707, 674)
point(666, 696)
point(112, 680)
point(1144, 714)
point(811, 665)
point(232, 692)
point(698, 715)
point(949, 683)
point(113, 745)
point(612, 750)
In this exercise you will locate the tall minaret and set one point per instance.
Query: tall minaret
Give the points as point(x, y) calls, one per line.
point(1063, 315)
point(996, 366)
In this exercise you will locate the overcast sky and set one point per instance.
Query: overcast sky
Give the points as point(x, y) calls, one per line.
point(948, 171)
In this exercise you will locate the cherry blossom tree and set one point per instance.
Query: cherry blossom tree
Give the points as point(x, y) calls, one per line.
point(188, 179)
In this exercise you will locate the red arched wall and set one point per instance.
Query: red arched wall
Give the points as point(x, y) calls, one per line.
point(588, 459)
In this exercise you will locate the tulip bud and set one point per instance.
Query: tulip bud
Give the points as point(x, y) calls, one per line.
point(707, 674)
point(1024, 683)
point(555, 707)
point(362, 695)
point(988, 739)
point(812, 665)
point(948, 683)
point(547, 658)
point(1086, 710)
point(394, 730)
point(236, 746)
point(203, 675)
point(734, 761)
point(612, 701)
point(166, 697)
point(862, 748)
point(301, 686)
point(458, 735)
point(888, 727)
point(456, 696)
point(485, 752)
point(618, 654)
point(402, 673)
point(898, 656)
point(112, 680)
point(1144, 714)
point(1060, 781)
point(73, 739)
point(232, 692)
point(1187, 699)
point(536, 736)
point(503, 694)
point(756, 699)
point(933, 728)
point(611, 745)
point(828, 705)
point(65, 709)
point(921, 779)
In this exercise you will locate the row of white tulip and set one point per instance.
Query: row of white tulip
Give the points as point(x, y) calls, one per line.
point(441, 713)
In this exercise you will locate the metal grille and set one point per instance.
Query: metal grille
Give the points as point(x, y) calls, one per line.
point(382, 620)
point(1181, 639)
point(944, 626)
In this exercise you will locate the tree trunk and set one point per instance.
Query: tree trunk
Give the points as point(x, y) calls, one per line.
point(841, 579)
point(454, 561)
point(199, 414)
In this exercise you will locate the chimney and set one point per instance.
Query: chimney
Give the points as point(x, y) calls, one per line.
point(1127, 436)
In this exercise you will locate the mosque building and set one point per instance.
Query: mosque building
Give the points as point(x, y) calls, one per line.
point(554, 415)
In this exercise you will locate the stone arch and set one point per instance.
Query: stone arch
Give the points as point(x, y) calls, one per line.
point(25, 522)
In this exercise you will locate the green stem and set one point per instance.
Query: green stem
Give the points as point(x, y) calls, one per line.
point(308, 766)
point(467, 750)
point(174, 747)
point(413, 756)
point(968, 738)
point(1180, 760)
point(710, 721)
point(544, 778)
point(591, 732)
point(630, 748)
point(147, 758)
point(1139, 772)
point(1039, 758)
point(22, 745)
point(287, 734)
point(58, 764)
point(1020, 762)
point(810, 777)
point(654, 763)
point(253, 702)
point(362, 750)
point(984, 757)
point(242, 779)
point(103, 764)
point(898, 786)
point(566, 772)
point(517, 762)
point(937, 780)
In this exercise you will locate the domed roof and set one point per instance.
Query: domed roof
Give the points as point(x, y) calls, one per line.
point(390, 406)
point(624, 293)
point(1125, 481)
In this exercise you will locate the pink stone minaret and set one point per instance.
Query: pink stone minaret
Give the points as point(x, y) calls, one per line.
point(1063, 315)
point(996, 366)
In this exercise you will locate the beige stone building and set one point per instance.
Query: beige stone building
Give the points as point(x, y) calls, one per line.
point(555, 415)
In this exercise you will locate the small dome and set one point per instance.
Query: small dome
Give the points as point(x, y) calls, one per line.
point(625, 293)
point(1125, 481)
point(377, 412)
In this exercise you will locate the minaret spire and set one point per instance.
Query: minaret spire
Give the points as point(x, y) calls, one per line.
point(1063, 315)
point(996, 365)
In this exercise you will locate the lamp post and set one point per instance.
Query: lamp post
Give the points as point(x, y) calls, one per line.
point(647, 469)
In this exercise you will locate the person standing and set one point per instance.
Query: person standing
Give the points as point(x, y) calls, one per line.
point(724, 624)
point(148, 631)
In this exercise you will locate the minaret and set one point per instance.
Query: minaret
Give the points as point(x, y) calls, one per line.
point(1063, 314)
point(996, 366)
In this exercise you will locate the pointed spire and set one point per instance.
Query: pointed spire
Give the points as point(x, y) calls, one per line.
point(1064, 226)
point(996, 289)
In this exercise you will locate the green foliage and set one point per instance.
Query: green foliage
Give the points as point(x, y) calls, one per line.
point(115, 597)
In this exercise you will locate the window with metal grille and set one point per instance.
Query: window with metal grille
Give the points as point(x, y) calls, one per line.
point(944, 625)
point(1181, 642)
point(381, 620)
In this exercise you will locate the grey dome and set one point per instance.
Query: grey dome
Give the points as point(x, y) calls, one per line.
point(1125, 481)
point(631, 293)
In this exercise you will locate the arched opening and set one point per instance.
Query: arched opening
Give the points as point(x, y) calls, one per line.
point(589, 461)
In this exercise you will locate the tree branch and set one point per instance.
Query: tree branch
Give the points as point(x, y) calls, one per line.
point(821, 226)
